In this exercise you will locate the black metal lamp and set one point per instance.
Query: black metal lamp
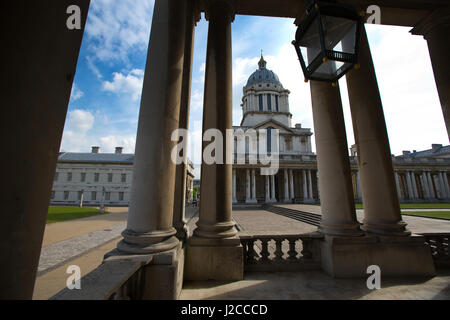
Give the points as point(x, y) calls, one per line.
point(327, 40)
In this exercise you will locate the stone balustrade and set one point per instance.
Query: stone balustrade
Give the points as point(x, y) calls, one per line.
point(439, 244)
point(281, 252)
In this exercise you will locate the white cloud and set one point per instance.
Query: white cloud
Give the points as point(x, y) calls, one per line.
point(130, 83)
point(116, 29)
point(76, 93)
point(109, 143)
point(75, 136)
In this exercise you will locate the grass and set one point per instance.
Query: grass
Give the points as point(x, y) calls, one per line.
point(417, 205)
point(58, 214)
point(432, 214)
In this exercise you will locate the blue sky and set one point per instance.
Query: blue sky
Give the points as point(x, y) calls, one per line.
point(105, 100)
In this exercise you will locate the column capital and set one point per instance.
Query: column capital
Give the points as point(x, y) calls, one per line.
point(435, 19)
point(222, 7)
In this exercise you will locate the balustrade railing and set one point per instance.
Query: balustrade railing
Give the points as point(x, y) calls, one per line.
point(281, 252)
point(439, 244)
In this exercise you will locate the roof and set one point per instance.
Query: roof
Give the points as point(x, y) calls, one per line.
point(263, 75)
point(435, 152)
point(96, 157)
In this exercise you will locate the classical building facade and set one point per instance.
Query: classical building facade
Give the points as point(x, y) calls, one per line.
point(420, 176)
point(95, 178)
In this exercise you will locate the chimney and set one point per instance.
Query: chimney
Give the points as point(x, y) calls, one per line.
point(406, 152)
point(119, 150)
point(436, 146)
point(95, 149)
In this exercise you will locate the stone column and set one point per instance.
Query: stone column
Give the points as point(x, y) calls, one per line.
point(150, 219)
point(215, 220)
point(267, 189)
point(337, 205)
point(248, 195)
point(273, 197)
point(286, 185)
point(310, 190)
point(397, 183)
point(381, 205)
point(234, 186)
point(179, 221)
point(254, 185)
point(305, 186)
point(423, 180)
point(318, 185)
point(291, 185)
point(215, 252)
point(435, 29)
point(431, 186)
point(444, 174)
point(409, 185)
point(38, 68)
point(442, 185)
point(414, 185)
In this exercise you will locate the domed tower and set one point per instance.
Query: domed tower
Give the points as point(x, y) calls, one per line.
point(265, 98)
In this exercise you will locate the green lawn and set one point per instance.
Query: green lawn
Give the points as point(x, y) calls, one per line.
point(417, 205)
point(433, 214)
point(58, 214)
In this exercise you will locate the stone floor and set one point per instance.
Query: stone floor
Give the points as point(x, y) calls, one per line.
point(83, 242)
point(316, 285)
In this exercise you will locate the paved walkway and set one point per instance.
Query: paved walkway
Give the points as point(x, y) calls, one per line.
point(308, 285)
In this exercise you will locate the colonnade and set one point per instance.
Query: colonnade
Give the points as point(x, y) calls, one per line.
point(422, 184)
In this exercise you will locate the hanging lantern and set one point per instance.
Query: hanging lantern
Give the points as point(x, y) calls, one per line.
point(327, 40)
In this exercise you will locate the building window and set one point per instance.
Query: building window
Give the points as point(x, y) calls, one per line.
point(260, 102)
point(269, 102)
point(96, 177)
point(276, 102)
point(269, 139)
point(56, 176)
point(52, 195)
point(110, 177)
point(107, 196)
point(83, 177)
point(124, 177)
point(69, 176)
point(66, 195)
point(288, 144)
point(94, 195)
point(121, 195)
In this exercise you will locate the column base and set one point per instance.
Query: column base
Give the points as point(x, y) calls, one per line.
point(148, 243)
point(397, 229)
point(396, 256)
point(214, 259)
point(251, 201)
point(234, 201)
point(162, 277)
point(271, 200)
point(341, 230)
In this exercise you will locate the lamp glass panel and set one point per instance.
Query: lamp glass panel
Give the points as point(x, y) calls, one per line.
point(310, 42)
point(339, 33)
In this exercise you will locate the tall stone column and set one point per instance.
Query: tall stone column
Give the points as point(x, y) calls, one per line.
point(247, 185)
point(435, 29)
point(414, 185)
point(215, 252)
point(409, 185)
point(444, 174)
point(273, 197)
point(40, 59)
point(397, 184)
point(310, 191)
point(381, 206)
point(267, 189)
point(253, 185)
point(291, 184)
point(337, 204)
point(179, 221)
point(286, 185)
point(431, 186)
point(425, 185)
point(442, 185)
point(305, 186)
point(234, 186)
point(150, 219)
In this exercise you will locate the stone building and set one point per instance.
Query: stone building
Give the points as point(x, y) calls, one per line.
point(420, 176)
point(95, 178)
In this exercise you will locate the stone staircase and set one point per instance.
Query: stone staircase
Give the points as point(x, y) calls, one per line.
point(306, 217)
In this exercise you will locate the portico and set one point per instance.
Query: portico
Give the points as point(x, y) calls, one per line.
point(153, 241)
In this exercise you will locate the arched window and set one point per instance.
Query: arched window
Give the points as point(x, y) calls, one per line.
point(260, 102)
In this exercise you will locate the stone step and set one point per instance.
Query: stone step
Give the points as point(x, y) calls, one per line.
point(306, 217)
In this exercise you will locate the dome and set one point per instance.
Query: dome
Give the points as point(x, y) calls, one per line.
point(263, 75)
